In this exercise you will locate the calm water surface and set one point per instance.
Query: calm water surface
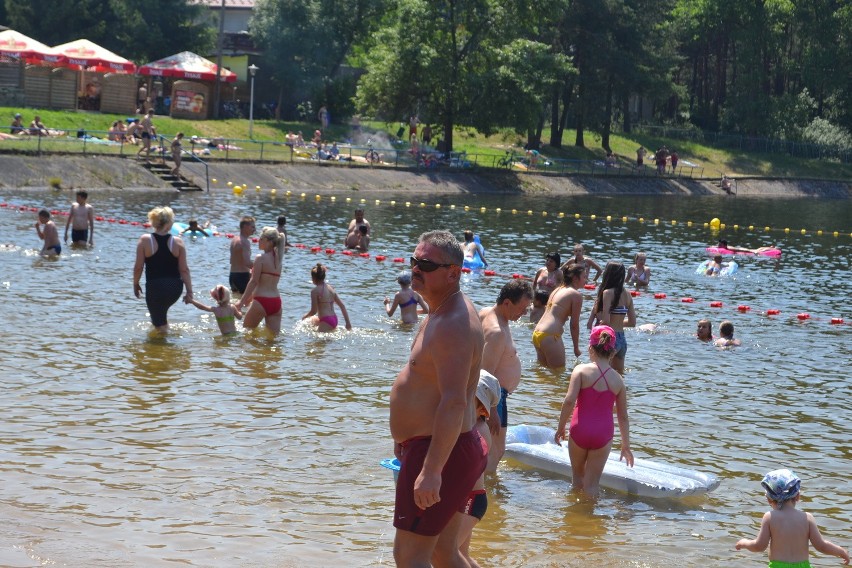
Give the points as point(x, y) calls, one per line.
point(118, 449)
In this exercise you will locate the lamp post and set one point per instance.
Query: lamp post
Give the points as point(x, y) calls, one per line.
point(252, 69)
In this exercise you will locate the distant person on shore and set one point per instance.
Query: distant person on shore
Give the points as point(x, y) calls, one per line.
point(50, 235)
point(282, 228)
point(705, 331)
point(726, 336)
point(81, 220)
point(563, 304)
point(323, 299)
point(37, 127)
point(592, 392)
point(639, 274)
point(225, 312)
point(500, 357)
point(262, 290)
point(407, 300)
point(784, 529)
point(726, 184)
point(426, 135)
point(324, 116)
point(147, 132)
point(177, 153)
point(641, 152)
point(141, 97)
point(241, 262)
point(17, 126)
point(673, 158)
point(581, 258)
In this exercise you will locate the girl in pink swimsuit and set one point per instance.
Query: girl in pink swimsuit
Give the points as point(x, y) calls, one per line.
point(594, 388)
point(323, 298)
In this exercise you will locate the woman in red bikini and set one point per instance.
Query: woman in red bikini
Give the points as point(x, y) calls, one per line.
point(594, 388)
point(323, 298)
point(262, 289)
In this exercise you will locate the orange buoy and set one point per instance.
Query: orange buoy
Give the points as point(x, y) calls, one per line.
point(715, 304)
point(364, 255)
point(122, 222)
point(589, 286)
point(229, 235)
point(687, 300)
point(489, 273)
point(743, 308)
point(329, 251)
point(316, 249)
point(380, 257)
point(110, 220)
point(399, 259)
point(465, 269)
point(255, 239)
point(772, 312)
point(635, 293)
point(660, 295)
point(135, 223)
point(516, 275)
point(346, 252)
point(836, 321)
point(803, 316)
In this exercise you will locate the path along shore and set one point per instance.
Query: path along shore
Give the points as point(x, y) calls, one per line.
point(107, 172)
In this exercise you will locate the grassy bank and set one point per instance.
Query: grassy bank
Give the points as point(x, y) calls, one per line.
point(713, 160)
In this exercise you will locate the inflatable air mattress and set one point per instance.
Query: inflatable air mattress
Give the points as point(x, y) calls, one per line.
point(773, 252)
point(534, 446)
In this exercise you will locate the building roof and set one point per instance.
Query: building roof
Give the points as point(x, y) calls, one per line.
point(232, 4)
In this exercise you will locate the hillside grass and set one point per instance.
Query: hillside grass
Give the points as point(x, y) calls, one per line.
point(713, 160)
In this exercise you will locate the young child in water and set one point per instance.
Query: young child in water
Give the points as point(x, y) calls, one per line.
point(224, 310)
point(407, 300)
point(50, 235)
point(539, 304)
point(323, 298)
point(705, 330)
point(786, 530)
point(726, 336)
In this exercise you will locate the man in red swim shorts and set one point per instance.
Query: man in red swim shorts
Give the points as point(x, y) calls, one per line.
point(432, 412)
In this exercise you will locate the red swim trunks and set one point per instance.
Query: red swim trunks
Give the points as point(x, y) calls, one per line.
point(464, 466)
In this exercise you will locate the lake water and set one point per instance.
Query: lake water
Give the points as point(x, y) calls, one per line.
point(119, 449)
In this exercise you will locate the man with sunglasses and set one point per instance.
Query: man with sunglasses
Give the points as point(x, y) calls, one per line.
point(432, 414)
point(500, 357)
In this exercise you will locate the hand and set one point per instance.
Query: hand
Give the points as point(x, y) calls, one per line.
point(626, 455)
point(742, 543)
point(576, 352)
point(427, 488)
point(137, 289)
point(387, 300)
point(349, 327)
point(494, 421)
point(187, 299)
point(559, 436)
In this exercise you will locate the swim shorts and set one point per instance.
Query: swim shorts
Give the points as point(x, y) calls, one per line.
point(57, 249)
point(476, 504)
point(503, 409)
point(79, 235)
point(782, 564)
point(239, 281)
point(464, 466)
point(620, 345)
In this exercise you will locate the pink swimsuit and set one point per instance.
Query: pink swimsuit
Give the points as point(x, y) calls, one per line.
point(591, 424)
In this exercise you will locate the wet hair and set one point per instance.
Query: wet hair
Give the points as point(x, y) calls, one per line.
point(726, 329)
point(613, 278)
point(159, 217)
point(44, 213)
point(282, 220)
point(193, 223)
point(450, 248)
point(404, 278)
point(221, 294)
point(605, 345)
point(514, 290)
point(318, 273)
point(724, 243)
point(362, 229)
point(82, 193)
point(638, 254)
point(541, 296)
point(247, 220)
point(468, 236)
point(571, 270)
point(554, 256)
point(272, 235)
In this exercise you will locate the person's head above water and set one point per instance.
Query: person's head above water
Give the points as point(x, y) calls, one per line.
point(468, 236)
point(404, 278)
point(781, 485)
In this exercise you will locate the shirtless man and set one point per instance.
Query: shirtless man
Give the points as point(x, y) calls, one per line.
point(49, 234)
point(241, 261)
point(356, 222)
point(147, 132)
point(81, 220)
point(432, 412)
point(500, 357)
point(359, 240)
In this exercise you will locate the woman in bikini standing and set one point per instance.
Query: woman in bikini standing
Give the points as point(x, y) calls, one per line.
point(323, 298)
point(549, 276)
point(262, 289)
point(565, 302)
point(614, 307)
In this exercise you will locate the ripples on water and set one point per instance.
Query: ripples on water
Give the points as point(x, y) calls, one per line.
point(119, 449)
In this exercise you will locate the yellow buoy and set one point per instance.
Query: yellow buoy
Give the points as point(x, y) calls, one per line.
point(561, 214)
point(408, 204)
point(229, 184)
point(452, 206)
point(674, 222)
point(624, 219)
point(819, 233)
point(317, 197)
point(751, 227)
point(393, 202)
point(656, 221)
point(333, 198)
point(514, 211)
point(288, 193)
point(715, 222)
point(804, 232)
point(736, 227)
point(437, 206)
point(467, 208)
point(593, 217)
point(363, 200)
point(273, 191)
point(706, 224)
point(529, 211)
point(482, 209)
point(303, 194)
point(786, 229)
point(422, 204)
point(576, 215)
point(767, 229)
point(257, 187)
point(609, 217)
point(498, 210)
point(689, 223)
point(641, 219)
point(348, 199)
point(214, 180)
point(544, 213)
point(722, 226)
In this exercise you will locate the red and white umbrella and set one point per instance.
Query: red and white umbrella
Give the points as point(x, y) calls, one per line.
point(17, 45)
point(187, 65)
point(83, 54)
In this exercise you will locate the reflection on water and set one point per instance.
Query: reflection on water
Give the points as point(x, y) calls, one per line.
point(122, 449)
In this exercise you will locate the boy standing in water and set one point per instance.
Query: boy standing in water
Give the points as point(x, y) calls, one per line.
point(49, 234)
point(785, 530)
point(81, 220)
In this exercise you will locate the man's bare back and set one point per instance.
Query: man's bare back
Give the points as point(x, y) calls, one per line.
point(241, 260)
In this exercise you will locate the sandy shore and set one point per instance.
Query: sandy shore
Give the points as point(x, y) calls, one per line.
point(107, 172)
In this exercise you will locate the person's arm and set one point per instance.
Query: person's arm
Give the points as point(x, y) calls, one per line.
point(593, 316)
point(624, 426)
point(90, 214)
point(481, 252)
point(252, 285)
point(568, 406)
point(38, 230)
point(631, 275)
point(138, 266)
point(537, 276)
point(630, 318)
point(314, 302)
point(592, 264)
point(343, 311)
point(647, 276)
point(68, 222)
point(759, 543)
point(390, 307)
point(200, 306)
point(492, 353)
point(183, 268)
point(607, 298)
point(452, 349)
point(423, 305)
point(576, 305)
point(822, 545)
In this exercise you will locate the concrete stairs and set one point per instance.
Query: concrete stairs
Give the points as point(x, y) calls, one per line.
point(164, 172)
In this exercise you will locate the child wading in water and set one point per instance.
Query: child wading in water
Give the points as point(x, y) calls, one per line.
point(786, 530)
point(594, 388)
point(407, 300)
point(224, 310)
point(323, 298)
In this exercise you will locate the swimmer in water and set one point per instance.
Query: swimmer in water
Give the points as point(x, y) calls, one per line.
point(726, 336)
point(639, 274)
point(580, 258)
point(407, 300)
point(723, 244)
point(714, 267)
point(323, 298)
point(705, 330)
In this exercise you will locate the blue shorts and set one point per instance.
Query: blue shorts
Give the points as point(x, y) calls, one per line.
point(502, 409)
point(57, 249)
point(79, 235)
point(620, 345)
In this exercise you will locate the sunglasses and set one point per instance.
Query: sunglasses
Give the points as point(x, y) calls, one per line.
point(427, 265)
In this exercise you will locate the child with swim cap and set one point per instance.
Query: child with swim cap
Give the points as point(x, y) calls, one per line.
point(224, 310)
point(407, 300)
point(323, 298)
point(786, 530)
point(594, 389)
point(487, 398)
